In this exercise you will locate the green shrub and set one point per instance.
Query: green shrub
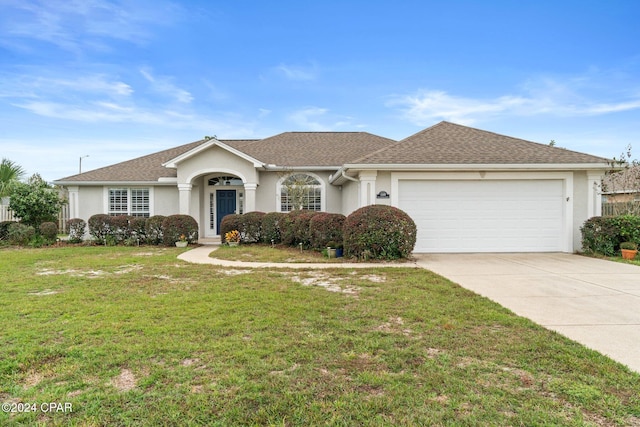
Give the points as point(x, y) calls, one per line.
point(138, 229)
point(119, 227)
point(603, 235)
point(379, 232)
point(229, 223)
point(4, 229)
point(251, 231)
point(99, 228)
point(49, 232)
point(271, 223)
point(326, 227)
point(630, 246)
point(76, 227)
point(175, 226)
point(288, 230)
point(20, 234)
point(153, 229)
point(302, 229)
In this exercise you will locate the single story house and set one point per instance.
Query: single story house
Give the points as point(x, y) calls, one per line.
point(468, 190)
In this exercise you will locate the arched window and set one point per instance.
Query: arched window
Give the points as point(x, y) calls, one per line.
point(300, 191)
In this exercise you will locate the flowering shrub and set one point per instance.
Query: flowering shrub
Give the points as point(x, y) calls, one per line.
point(379, 232)
point(232, 236)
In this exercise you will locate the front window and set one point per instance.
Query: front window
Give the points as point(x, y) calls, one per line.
point(300, 191)
point(129, 201)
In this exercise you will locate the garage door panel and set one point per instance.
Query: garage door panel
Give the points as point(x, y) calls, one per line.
point(485, 216)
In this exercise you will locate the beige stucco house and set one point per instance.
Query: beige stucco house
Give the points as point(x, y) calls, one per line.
point(468, 190)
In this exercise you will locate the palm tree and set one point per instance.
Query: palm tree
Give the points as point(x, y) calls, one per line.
point(9, 172)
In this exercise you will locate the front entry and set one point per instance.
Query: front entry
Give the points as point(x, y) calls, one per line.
point(225, 205)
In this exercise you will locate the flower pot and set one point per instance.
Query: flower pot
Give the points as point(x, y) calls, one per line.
point(331, 252)
point(339, 252)
point(181, 244)
point(233, 243)
point(628, 253)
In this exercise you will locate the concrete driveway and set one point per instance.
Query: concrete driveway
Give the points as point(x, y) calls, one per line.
point(592, 301)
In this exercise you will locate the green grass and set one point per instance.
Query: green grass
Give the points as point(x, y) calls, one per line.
point(132, 336)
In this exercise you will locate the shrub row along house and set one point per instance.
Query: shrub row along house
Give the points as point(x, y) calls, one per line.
point(467, 190)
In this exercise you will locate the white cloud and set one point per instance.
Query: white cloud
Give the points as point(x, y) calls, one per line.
point(164, 86)
point(76, 25)
point(571, 98)
point(307, 118)
point(297, 73)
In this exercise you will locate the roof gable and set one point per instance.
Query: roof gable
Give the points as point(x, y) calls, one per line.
point(449, 143)
point(210, 143)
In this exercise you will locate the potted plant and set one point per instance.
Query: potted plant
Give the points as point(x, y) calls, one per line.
point(331, 249)
point(629, 250)
point(182, 243)
point(232, 238)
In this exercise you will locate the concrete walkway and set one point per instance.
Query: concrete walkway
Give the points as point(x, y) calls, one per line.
point(594, 302)
point(200, 255)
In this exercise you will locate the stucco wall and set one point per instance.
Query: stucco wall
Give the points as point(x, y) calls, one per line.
point(350, 197)
point(91, 201)
point(165, 201)
point(213, 160)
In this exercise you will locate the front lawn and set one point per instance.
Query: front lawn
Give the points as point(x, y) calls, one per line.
point(132, 336)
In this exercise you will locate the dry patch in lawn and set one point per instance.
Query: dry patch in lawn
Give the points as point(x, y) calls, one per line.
point(92, 274)
point(126, 381)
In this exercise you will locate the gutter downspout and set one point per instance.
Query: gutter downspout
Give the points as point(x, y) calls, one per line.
point(348, 177)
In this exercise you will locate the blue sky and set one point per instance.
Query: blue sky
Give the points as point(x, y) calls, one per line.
point(119, 79)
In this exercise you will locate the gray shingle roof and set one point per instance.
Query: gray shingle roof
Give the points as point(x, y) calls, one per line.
point(449, 143)
point(295, 149)
point(141, 169)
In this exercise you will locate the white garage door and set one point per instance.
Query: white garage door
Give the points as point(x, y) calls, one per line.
point(485, 216)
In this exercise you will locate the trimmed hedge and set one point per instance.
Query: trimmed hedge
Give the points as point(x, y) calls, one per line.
point(271, 223)
point(379, 232)
point(175, 226)
point(288, 229)
point(603, 235)
point(99, 228)
point(251, 231)
point(229, 223)
point(326, 227)
point(49, 231)
point(302, 229)
point(153, 229)
point(20, 234)
point(76, 227)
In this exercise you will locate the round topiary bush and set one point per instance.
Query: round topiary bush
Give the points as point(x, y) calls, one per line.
point(99, 227)
point(48, 231)
point(229, 223)
point(76, 227)
point(326, 227)
point(379, 232)
point(252, 226)
point(302, 229)
point(289, 229)
point(153, 229)
point(175, 226)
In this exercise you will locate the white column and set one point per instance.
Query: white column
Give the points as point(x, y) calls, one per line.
point(74, 206)
point(594, 194)
point(250, 196)
point(367, 187)
point(185, 198)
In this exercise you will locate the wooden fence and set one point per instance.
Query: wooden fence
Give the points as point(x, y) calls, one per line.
point(620, 208)
point(63, 216)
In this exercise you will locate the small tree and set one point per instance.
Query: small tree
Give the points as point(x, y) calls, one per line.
point(622, 182)
point(35, 201)
point(296, 188)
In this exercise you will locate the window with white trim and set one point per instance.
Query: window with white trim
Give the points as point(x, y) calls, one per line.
point(129, 201)
point(300, 191)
